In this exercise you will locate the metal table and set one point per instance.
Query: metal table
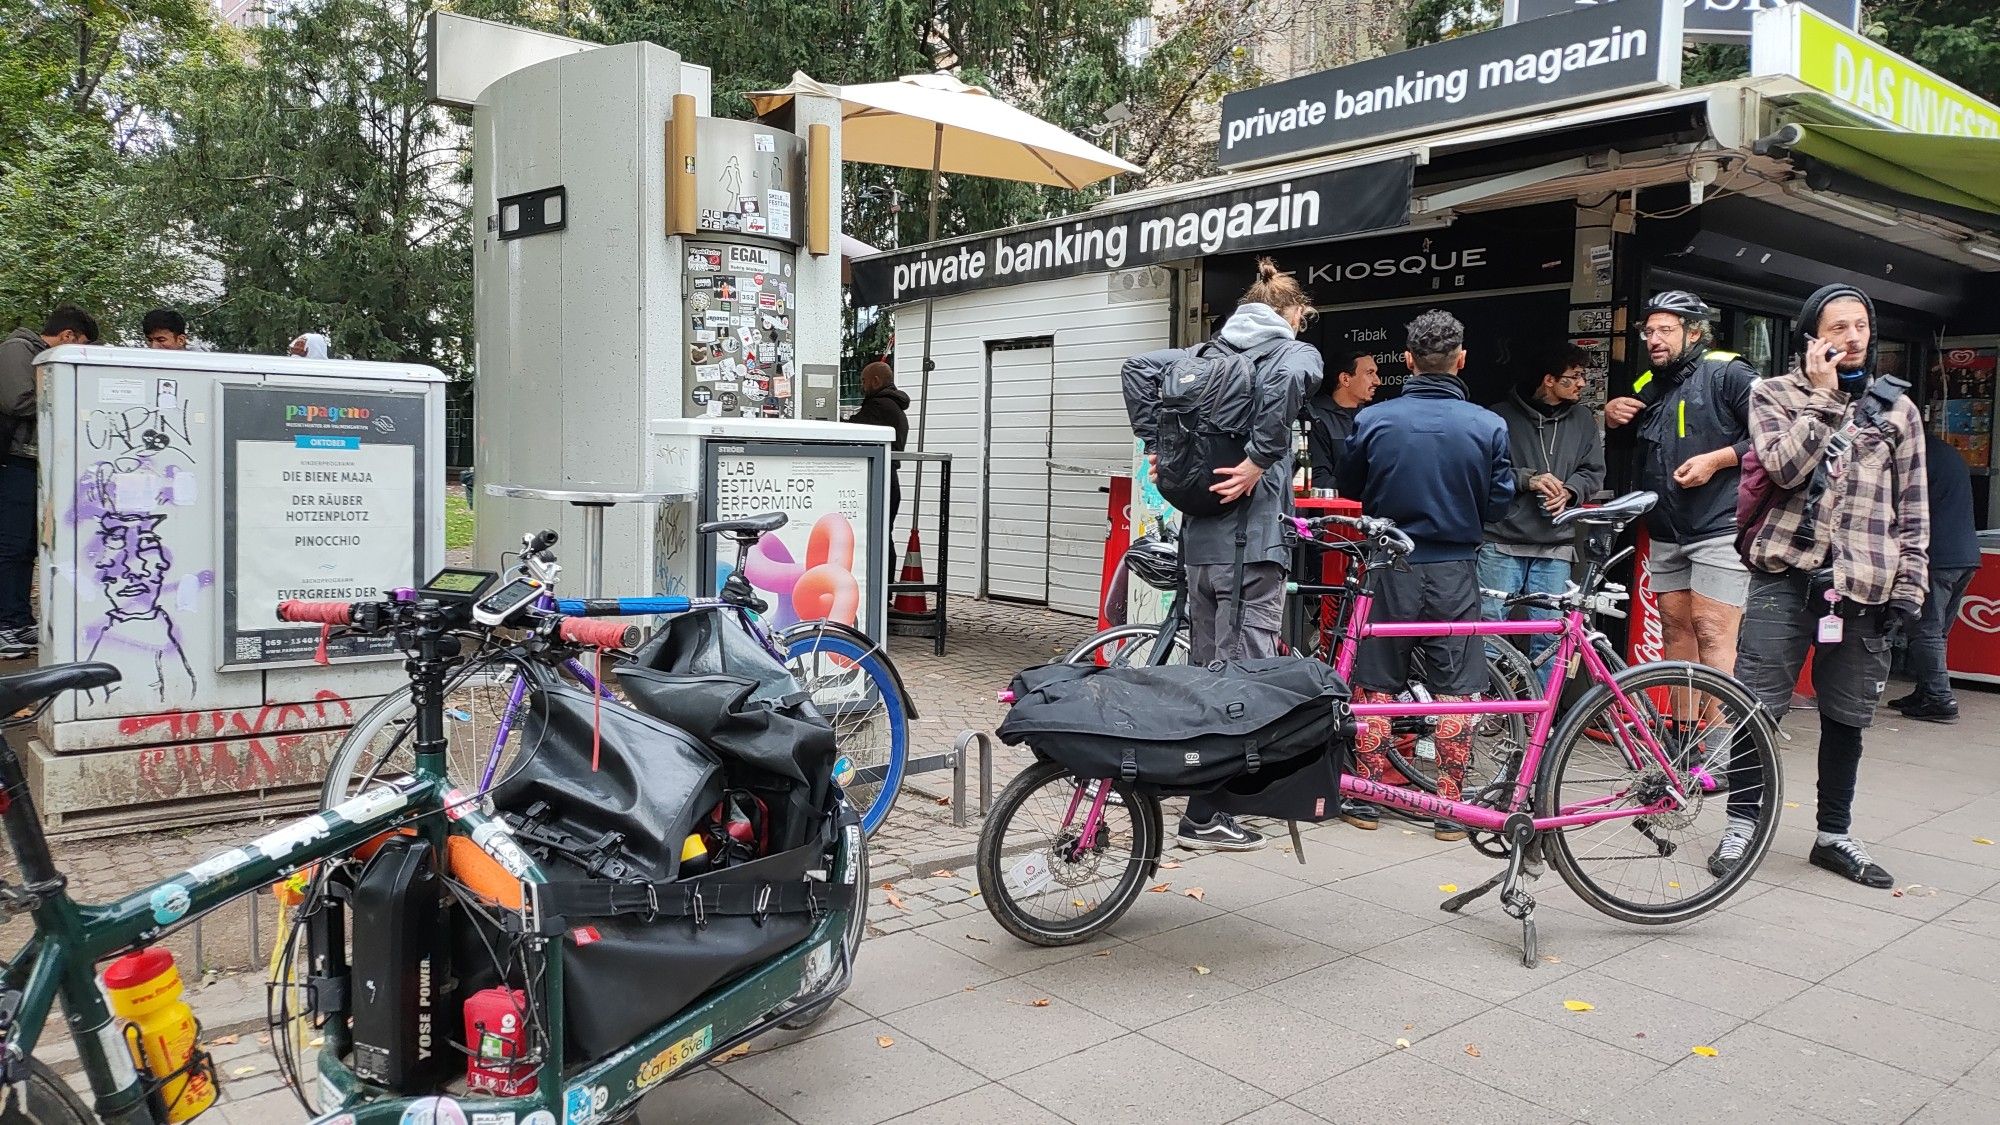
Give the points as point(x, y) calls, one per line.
point(593, 504)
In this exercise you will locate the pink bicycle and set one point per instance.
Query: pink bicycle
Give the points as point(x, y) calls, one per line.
point(1628, 794)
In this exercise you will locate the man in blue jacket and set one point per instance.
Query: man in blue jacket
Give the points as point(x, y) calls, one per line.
point(1438, 466)
point(1954, 559)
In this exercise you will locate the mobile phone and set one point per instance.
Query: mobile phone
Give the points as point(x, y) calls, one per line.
point(1832, 354)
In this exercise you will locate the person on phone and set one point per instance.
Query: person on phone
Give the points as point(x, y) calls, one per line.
point(1227, 621)
point(1840, 566)
point(1692, 409)
point(1558, 455)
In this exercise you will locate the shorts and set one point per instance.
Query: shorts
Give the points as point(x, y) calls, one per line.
point(1710, 568)
point(1437, 591)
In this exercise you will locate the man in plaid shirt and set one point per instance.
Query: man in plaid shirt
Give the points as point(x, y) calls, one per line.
point(1840, 565)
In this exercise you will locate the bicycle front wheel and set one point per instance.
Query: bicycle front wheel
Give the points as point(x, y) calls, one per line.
point(1040, 879)
point(482, 733)
point(856, 690)
point(1129, 646)
point(1659, 869)
point(38, 1097)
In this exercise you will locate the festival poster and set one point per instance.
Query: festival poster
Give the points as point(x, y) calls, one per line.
point(823, 564)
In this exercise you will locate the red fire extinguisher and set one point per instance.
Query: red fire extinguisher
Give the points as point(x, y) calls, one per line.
point(495, 1020)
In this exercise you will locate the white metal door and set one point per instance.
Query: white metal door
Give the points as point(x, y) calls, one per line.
point(1019, 384)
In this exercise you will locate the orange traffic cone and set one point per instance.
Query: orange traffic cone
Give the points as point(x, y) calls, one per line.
point(913, 571)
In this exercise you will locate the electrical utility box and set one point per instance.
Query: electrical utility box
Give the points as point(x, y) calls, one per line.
point(183, 495)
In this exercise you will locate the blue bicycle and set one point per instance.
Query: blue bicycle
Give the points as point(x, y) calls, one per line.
point(853, 683)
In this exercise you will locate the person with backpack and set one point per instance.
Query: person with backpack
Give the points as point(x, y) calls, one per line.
point(1438, 466)
point(1839, 560)
point(1216, 424)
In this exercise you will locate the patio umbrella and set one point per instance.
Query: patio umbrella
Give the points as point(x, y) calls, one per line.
point(934, 121)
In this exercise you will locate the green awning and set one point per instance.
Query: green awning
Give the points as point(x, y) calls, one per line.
point(1959, 172)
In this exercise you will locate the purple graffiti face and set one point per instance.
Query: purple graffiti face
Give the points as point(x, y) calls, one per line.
point(133, 565)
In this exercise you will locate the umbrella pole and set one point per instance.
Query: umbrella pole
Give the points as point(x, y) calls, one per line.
point(930, 315)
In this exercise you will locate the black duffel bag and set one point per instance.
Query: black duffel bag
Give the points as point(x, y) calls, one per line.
point(1179, 729)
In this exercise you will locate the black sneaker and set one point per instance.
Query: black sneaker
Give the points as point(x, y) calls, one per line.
point(1360, 814)
point(1931, 711)
point(1222, 834)
point(1904, 703)
point(1846, 856)
point(1728, 853)
point(1447, 831)
point(18, 643)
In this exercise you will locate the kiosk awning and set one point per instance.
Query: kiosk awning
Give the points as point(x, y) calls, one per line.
point(1954, 173)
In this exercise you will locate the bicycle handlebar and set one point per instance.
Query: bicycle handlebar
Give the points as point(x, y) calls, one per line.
point(316, 613)
point(1384, 532)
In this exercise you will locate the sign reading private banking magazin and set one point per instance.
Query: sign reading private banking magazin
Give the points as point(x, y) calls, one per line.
point(1288, 212)
point(1585, 55)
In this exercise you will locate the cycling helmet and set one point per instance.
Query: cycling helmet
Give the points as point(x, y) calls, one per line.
point(1680, 302)
point(1157, 562)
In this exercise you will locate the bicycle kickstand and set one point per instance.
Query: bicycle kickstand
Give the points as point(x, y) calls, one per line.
point(1522, 868)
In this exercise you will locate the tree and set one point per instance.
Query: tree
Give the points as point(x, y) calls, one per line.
point(1959, 39)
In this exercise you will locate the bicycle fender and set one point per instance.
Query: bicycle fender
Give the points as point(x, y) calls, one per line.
point(861, 641)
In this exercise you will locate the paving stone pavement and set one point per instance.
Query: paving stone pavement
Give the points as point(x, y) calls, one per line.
point(1336, 990)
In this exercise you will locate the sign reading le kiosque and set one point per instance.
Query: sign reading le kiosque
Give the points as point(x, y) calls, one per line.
point(1585, 55)
point(1287, 212)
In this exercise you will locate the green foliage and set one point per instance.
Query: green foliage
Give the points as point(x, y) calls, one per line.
point(1431, 21)
point(1959, 39)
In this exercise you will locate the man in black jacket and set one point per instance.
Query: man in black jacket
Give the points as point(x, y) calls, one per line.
point(1330, 414)
point(1438, 466)
point(1693, 412)
point(1954, 560)
point(1558, 455)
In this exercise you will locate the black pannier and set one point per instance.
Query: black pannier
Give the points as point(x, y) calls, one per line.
point(1180, 729)
point(714, 716)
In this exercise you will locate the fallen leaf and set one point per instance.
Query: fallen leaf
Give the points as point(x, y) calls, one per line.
point(736, 1052)
point(1674, 885)
point(1076, 902)
point(1981, 840)
point(1102, 953)
point(1407, 832)
point(1402, 1044)
point(241, 1071)
point(1170, 865)
point(1551, 959)
point(1472, 1049)
point(1918, 890)
point(1193, 893)
point(223, 1040)
point(1638, 1035)
point(884, 1041)
point(1791, 804)
point(317, 1041)
point(974, 894)
point(1039, 1002)
point(264, 1040)
point(888, 886)
point(1448, 888)
point(980, 940)
point(944, 802)
point(1579, 1005)
point(1160, 888)
point(1409, 1027)
point(1201, 970)
point(1704, 1052)
point(944, 873)
point(896, 901)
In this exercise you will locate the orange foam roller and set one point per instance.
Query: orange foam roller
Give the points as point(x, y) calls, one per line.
point(827, 592)
point(832, 542)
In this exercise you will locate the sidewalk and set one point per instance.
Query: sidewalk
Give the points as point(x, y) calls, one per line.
point(1337, 990)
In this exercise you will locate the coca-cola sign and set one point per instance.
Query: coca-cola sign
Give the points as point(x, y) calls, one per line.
point(1648, 639)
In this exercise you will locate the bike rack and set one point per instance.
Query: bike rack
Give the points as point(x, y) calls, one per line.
point(953, 760)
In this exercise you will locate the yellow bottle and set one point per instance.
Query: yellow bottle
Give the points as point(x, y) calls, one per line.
point(145, 991)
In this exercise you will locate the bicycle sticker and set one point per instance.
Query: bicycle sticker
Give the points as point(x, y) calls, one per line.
point(853, 851)
point(582, 1104)
point(843, 771)
point(170, 903)
point(434, 1111)
point(682, 1052)
point(117, 1054)
point(371, 804)
point(1031, 873)
point(539, 1117)
point(208, 869)
point(286, 840)
point(493, 1118)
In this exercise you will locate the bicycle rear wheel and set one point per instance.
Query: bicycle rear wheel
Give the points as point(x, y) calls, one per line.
point(1654, 870)
point(1129, 646)
point(1039, 880)
point(855, 690)
point(380, 745)
point(38, 1097)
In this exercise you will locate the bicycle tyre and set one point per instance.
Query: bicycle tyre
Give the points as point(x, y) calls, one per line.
point(1575, 732)
point(1128, 646)
point(41, 1098)
point(1147, 830)
point(1497, 739)
point(478, 693)
point(855, 716)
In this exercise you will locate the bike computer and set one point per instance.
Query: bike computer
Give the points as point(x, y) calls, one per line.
point(457, 585)
point(496, 607)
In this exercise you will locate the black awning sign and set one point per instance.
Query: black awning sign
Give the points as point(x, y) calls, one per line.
point(1294, 211)
point(1589, 54)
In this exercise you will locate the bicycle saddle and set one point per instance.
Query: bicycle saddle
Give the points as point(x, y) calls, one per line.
point(1615, 513)
point(747, 525)
point(26, 689)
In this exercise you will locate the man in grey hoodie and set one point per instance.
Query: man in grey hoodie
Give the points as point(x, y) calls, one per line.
point(1558, 454)
point(18, 474)
point(1266, 321)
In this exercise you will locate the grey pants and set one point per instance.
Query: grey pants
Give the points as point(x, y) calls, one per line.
point(1211, 620)
point(1212, 634)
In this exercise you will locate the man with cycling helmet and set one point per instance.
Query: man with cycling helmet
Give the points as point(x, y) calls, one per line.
point(1692, 409)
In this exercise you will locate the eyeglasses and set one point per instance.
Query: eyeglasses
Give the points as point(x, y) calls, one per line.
point(1571, 379)
point(1658, 333)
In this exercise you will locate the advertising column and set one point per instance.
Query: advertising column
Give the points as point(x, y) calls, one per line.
point(323, 494)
